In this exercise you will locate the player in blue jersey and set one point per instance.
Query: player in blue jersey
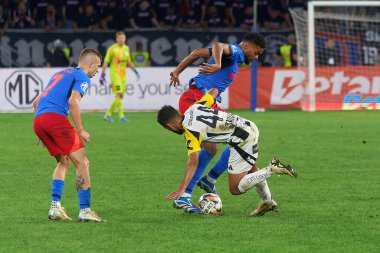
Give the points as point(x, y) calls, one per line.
point(218, 73)
point(61, 96)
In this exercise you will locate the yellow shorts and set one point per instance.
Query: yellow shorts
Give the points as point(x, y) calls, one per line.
point(119, 85)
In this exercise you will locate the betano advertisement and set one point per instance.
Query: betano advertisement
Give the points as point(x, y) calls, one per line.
point(337, 88)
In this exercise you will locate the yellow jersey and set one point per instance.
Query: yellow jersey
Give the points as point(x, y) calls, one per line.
point(118, 57)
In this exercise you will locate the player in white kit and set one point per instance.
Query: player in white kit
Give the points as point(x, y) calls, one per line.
point(201, 123)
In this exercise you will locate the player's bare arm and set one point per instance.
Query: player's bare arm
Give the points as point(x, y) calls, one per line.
point(213, 92)
point(218, 49)
point(189, 172)
point(75, 114)
point(190, 59)
point(35, 105)
point(36, 102)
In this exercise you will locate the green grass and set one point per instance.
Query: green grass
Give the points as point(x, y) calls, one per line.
point(333, 206)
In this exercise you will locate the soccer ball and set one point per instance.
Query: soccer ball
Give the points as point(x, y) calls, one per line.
point(210, 203)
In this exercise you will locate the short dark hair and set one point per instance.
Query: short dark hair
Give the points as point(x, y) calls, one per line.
point(255, 38)
point(166, 114)
point(88, 51)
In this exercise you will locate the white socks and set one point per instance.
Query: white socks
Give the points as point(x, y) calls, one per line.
point(55, 204)
point(252, 179)
point(263, 190)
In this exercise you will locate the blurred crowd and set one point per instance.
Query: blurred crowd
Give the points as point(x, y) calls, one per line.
point(91, 15)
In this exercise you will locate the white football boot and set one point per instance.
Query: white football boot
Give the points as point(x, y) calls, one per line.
point(58, 213)
point(88, 215)
point(265, 207)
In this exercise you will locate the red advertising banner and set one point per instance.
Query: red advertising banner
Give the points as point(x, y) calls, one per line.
point(240, 90)
point(337, 88)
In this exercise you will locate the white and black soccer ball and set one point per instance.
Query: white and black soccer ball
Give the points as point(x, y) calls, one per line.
point(210, 203)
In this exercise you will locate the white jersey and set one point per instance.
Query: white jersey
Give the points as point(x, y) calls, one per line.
point(202, 123)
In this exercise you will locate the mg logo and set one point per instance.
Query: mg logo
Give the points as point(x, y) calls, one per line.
point(22, 87)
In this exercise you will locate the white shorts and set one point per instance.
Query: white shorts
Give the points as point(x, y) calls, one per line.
point(244, 148)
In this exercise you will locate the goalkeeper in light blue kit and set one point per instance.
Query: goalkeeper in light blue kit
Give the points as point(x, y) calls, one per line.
point(219, 73)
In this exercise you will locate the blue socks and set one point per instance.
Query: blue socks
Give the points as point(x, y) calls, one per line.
point(57, 189)
point(84, 197)
point(219, 167)
point(204, 158)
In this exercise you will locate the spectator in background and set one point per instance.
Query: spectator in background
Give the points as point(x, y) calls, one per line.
point(238, 7)
point(115, 17)
point(329, 55)
point(190, 20)
point(59, 55)
point(101, 8)
point(70, 12)
point(4, 23)
point(213, 18)
point(288, 52)
point(224, 10)
point(22, 17)
point(140, 57)
point(170, 19)
point(274, 20)
point(246, 21)
point(262, 12)
point(160, 7)
point(199, 7)
point(87, 20)
point(51, 22)
point(113, 14)
point(143, 16)
point(301, 4)
point(39, 11)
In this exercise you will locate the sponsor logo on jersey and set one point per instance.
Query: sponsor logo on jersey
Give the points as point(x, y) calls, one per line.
point(191, 117)
point(84, 86)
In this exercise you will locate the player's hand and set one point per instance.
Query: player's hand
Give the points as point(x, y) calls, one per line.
point(206, 68)
point(175, 195)
point(137, 75)
point(84, 135)
point(102, 79)
point(174, 79)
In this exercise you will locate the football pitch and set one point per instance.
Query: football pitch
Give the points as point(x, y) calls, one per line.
point(333, 205)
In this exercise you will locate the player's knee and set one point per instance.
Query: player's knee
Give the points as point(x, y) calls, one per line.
point(234, 190)
point(211, 148)
point(65, 162)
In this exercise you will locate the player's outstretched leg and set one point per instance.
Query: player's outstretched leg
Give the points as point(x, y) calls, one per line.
point(258, 179)
point(277, 167)
point(207, 183)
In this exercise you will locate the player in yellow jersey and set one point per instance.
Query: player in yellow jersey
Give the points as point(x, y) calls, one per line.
point(118, 57)
point(202, 123)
